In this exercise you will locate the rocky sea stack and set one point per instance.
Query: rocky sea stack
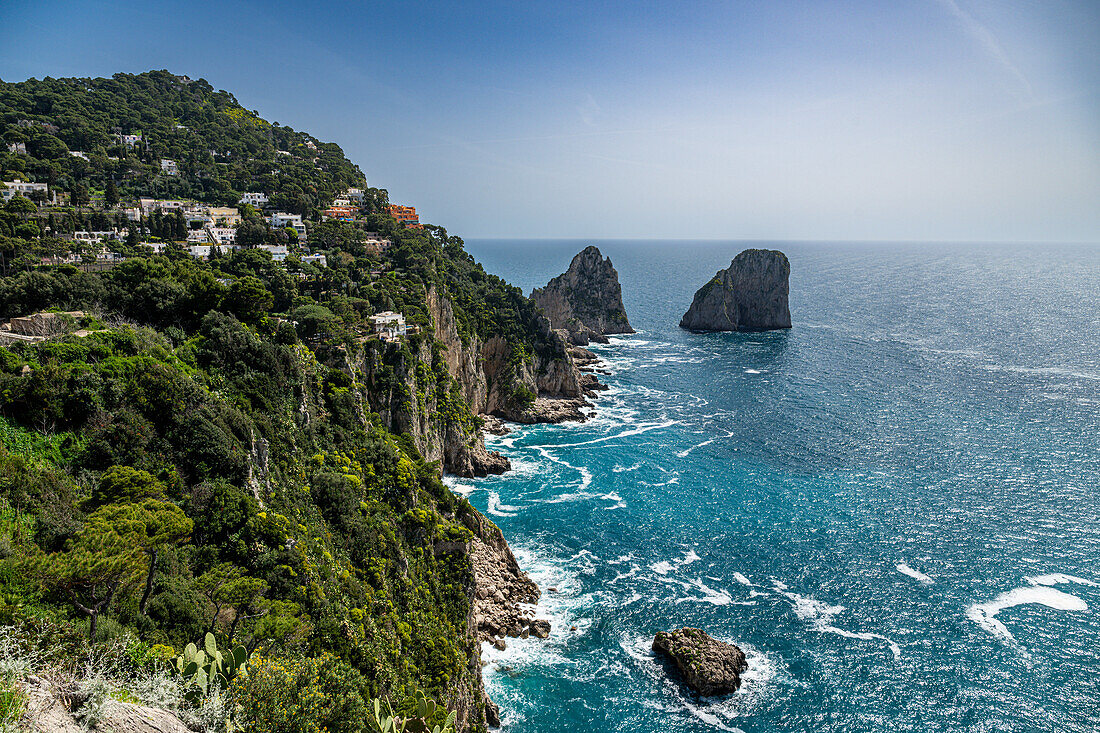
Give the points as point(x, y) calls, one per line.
point(708, 666)
point(586, 301)
point(750, 295)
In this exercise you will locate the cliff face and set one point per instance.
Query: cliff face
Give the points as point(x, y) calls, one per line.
point(431, 389)
point(586, 301)
point(750, 295)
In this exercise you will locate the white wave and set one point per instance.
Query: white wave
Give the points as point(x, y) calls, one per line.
point(715, 597)
point(689, 558)
point(619, 341)
point(912, 573)
point(459, 486)
point(1044, 371)
point(741, 579)
point(661, 568)
point(985, 614)
point(623, 469)
point(496, 508)
point(642, 428)
point(686, 452)
point(1056, 578)
point(821, 616)
point(753, 371)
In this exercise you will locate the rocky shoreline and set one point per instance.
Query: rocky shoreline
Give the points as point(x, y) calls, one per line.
point(503, 597)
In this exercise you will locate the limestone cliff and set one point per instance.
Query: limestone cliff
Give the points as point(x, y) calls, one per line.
point(432, 386)
point(750, 295)
point(586, 301)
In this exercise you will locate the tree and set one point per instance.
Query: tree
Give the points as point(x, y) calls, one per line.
point(100, 561)
point(153, 525)
point(20, 206)
point(78, 195)
point(110, 196)
point(124, 485)
point(249, 300)
point(226, 585)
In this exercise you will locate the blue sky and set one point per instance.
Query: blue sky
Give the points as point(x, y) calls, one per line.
point(903, 119)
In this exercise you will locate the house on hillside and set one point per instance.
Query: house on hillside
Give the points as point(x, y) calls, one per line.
point(169, 167)
point(23, 188)
point(388, 326)
point(256, 199)
point(406, 215)
point(283, 220)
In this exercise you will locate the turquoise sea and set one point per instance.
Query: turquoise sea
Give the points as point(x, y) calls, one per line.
point(893, 508)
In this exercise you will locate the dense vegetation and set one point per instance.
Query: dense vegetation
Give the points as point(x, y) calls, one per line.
point(202, 456)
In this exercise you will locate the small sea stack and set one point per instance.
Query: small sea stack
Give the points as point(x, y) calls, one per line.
point(749, 295)
point(586, 300)
point(708, 666)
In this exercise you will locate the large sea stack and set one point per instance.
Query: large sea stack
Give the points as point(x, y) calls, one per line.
point(586, 300)
point(750, 295)
point(708, 666)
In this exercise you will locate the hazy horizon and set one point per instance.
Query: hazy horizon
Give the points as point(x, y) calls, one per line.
point(929, 120)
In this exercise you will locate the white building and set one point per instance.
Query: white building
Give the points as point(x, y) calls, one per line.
point(198, 236)
point(150, 205)
point(294, 221)
point(202, 251)
point(222, 235)
point(20, 148)
point(259, 200)
point(22, 188)
point(106, 236)
point(169, 167)
point(377, 241)
point(278, 251)
point(319, 260)
point(388, 325)
point(354, 194)
point(78, 154)
point(129, 140)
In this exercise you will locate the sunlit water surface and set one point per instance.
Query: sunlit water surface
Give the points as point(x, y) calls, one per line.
point(892, 508)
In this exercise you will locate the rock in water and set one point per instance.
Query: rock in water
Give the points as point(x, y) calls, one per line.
point(586, 300)
point(708, 666)
point(751, 295)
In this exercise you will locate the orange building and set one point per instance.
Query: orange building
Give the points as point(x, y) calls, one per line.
point(342, 213)
point(406, 215)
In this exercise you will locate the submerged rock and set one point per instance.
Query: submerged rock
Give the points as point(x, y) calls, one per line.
point(749, 295)
point(586, 300)
point(708, 666)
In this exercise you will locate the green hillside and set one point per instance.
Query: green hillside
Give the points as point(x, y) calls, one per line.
point(197, 446)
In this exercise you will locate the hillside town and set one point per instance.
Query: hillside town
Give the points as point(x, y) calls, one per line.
point(207, 229)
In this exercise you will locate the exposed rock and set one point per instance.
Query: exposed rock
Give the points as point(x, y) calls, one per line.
point(47, 712)
point(123, 717)
point(586, 300)
point(708, 666)
point(500, 587)
point(492, 713)
point(493, 425)
point(540, 628)
point(750, 295)
point(551, 410)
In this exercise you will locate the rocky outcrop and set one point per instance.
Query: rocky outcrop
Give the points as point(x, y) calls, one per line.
point(750, 295)
point(502, 598)
point(708, 666)
point(586, 301)
point(48, 711)
point(493, 382)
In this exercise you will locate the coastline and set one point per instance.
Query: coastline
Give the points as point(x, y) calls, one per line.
point(507, 606)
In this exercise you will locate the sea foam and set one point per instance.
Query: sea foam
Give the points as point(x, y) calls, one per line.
point(1038, 592)
point(915, 574)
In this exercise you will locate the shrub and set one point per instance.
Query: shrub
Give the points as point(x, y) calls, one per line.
point(301, 696)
